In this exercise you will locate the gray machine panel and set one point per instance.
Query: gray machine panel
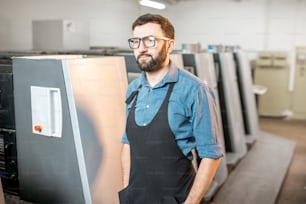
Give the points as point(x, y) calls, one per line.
point(230, 108)
point(247, 96)
point(44, 162)
point(132, 68)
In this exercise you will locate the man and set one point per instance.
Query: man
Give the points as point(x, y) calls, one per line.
point(169, 113)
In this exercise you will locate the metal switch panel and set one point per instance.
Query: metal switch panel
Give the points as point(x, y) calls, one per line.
point(46, 111)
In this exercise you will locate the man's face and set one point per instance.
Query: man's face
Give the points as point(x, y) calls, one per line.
point(153, 58)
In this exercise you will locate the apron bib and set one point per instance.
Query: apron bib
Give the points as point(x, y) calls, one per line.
point(160, 173)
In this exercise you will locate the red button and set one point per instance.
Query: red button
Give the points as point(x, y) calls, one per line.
point(38, 128)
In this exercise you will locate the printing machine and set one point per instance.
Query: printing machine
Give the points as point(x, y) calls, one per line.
point(220, 72)
point(8, 154)
point(231, 111)
point(69, 121)
point(247, 96)
point(8, 143)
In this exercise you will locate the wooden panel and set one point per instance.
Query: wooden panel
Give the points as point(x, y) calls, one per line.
point(1, 193)
point(99, 87)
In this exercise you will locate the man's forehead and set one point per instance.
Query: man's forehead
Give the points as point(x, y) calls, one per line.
point(147, 29)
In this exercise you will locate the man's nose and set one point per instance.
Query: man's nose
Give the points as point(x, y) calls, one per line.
point(142, 46)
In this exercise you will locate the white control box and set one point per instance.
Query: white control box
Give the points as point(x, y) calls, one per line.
point(46, 109)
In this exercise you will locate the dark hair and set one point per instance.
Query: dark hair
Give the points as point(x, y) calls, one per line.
point(164, 23)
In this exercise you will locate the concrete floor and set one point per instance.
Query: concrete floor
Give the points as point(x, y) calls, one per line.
point(293, 190)
point(259, 176)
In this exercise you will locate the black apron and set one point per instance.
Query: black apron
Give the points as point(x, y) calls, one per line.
point(160, 173)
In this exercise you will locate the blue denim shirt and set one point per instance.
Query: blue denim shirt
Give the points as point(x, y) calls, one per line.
point(191, 111)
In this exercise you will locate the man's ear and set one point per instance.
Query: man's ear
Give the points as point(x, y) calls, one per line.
point(171, 45)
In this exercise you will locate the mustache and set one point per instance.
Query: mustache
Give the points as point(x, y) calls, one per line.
point(147, 55)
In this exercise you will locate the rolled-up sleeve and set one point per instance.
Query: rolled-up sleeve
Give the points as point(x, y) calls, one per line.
point(206, 128)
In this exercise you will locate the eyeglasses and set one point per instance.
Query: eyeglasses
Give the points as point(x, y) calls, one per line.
point(148, 41)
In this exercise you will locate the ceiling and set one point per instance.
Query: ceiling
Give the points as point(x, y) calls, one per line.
point(174, 1)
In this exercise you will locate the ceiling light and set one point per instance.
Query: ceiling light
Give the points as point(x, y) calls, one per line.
point(152, 4)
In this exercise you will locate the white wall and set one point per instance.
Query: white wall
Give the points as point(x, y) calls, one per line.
point(252, 24)
point(110, 20)
point(222, 22)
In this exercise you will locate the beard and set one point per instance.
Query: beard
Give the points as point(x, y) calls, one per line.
point(154, 64)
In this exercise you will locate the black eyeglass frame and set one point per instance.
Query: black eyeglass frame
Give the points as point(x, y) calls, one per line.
point(153, 38)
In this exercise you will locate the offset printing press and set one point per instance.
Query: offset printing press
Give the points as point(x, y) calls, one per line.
point(70, 116)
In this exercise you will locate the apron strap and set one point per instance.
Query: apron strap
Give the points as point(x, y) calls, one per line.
point(133, 95)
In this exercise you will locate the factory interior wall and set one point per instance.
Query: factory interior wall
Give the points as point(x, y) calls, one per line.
point(253, 25)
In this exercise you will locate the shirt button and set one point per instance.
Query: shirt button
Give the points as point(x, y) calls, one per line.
point(147, 106)
point(144, 124)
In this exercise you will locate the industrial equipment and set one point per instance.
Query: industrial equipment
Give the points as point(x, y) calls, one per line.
point(70, 116)
point(8, 153)
point(230, 105)
point(272, 71)
point(299, 93)
point(247, 96)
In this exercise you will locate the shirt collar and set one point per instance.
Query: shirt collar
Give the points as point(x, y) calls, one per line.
point(170, 77)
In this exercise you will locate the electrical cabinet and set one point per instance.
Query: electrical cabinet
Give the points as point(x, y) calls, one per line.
point(272, 72)
point(299, 93)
